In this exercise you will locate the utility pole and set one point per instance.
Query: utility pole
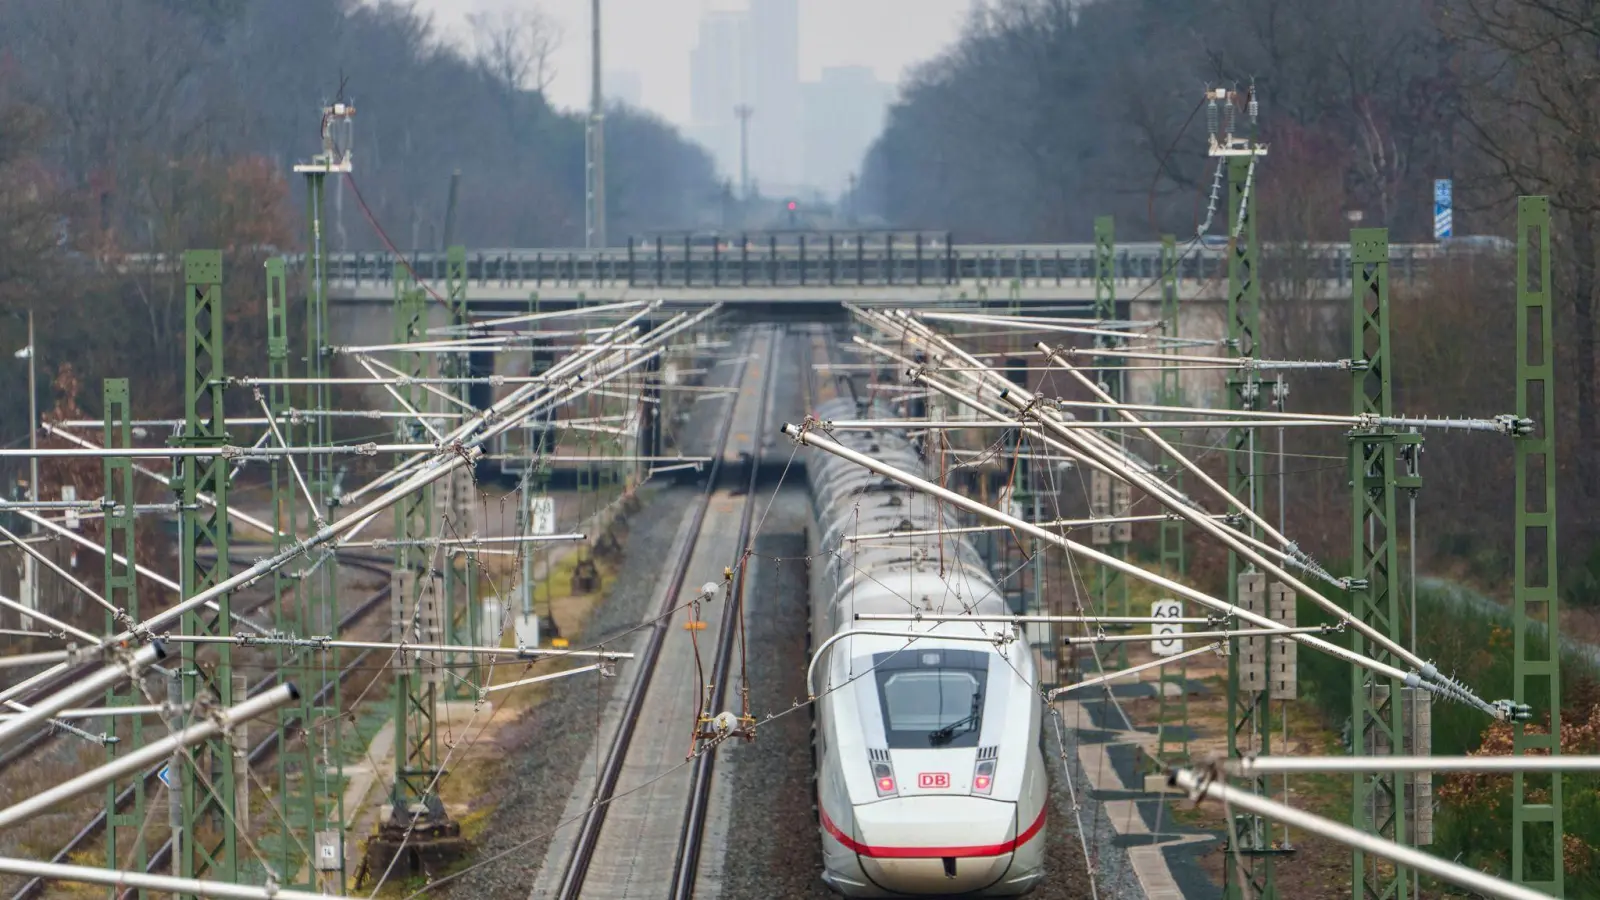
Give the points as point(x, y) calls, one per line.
point(595, 196)
point(30, 568)
point(1110, 496)
point(1169, 392)
point(122, 592)
point(454, 497)
point(1378, 716)
point(208, 844)
point(319, 592)
point(33, 418)
point(1536, 671)
point(1249, 695)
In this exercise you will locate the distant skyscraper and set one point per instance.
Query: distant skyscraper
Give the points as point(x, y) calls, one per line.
point(624, 86)
point(719, 78)
point(844, 113)
point(774, 67)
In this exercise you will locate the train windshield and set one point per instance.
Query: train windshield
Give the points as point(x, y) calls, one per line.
point(931, 698)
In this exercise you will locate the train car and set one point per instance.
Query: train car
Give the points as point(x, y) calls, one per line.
point(929, 775)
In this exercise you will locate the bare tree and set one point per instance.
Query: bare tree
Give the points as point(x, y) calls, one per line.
point(1531, 110)
point(513, 48)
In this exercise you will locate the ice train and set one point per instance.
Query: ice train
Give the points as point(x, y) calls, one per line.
point(929, 775)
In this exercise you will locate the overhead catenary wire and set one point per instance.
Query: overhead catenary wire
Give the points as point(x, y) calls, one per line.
point(811, 439)
point(1201, 786)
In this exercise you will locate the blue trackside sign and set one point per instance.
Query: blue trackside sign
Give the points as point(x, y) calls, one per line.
point(1442, 212)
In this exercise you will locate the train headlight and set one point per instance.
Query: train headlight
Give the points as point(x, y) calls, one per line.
point(883, 778)
point(983, 777)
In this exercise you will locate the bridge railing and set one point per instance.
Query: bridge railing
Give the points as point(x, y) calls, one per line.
point(842, 263)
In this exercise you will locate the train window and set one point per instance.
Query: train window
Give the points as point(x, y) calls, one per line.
point(932, 698)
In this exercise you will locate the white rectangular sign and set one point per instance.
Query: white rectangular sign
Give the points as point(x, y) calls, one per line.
point(1167, 609)
point(526, 626)
point(543, 516)
point(69, 494)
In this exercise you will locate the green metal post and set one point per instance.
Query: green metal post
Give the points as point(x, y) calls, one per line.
point(210, 820)
point(415, 593)
point(297, 759)
point(1536, 823)
point(1174, 564)
point(1379, 801)
point(319, 592)
point(122, 592)
point(1112, 375)
point(462, 610)
point(1249, 712)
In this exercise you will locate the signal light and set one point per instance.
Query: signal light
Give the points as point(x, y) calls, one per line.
point(983, 777)
point(883, 776)
point(793, 206)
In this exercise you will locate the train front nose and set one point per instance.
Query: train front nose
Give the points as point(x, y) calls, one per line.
point(936, 845)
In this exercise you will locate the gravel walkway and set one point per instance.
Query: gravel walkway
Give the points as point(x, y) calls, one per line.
point(544, 748)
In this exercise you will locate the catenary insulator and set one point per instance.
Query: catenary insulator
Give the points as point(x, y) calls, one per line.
point(1211, 117)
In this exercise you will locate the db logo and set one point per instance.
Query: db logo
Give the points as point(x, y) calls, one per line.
point(933, 780)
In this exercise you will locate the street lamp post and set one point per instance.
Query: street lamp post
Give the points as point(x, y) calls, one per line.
point(33, 420)
point(595, 145)
point(744, 112)
point(30, 584)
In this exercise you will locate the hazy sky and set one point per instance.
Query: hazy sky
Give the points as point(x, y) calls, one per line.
point(654, 37)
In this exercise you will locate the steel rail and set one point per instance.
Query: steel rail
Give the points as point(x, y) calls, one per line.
point(686, 866)
point(605, 786)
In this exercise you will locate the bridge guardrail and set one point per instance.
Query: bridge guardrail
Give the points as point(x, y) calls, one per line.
point(836, 263)
point(839, 262)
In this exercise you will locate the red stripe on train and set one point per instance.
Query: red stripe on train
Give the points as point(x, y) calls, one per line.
point(879, 852)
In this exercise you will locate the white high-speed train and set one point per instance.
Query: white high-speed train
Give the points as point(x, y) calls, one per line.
point(929, 775)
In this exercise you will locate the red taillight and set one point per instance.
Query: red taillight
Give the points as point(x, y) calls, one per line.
point(983, 776)
point(883, 778)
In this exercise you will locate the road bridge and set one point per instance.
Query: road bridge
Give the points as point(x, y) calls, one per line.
point(796, 276)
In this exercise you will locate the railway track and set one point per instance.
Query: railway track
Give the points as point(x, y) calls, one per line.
point(625, 852)
point(259, 754)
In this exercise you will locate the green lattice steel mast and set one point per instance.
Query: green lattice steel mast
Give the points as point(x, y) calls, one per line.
point(460, 588)
point(1249, 711)
point(1537, 833)
point(208, 842)
point(1377, 713)
point(320, 588)
point(297, 758)
point(122, 592)
point(1174, 564)
point(1112, 375)
point(415, 589)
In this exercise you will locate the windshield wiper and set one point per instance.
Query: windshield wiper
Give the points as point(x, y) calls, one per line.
point(947, 734)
